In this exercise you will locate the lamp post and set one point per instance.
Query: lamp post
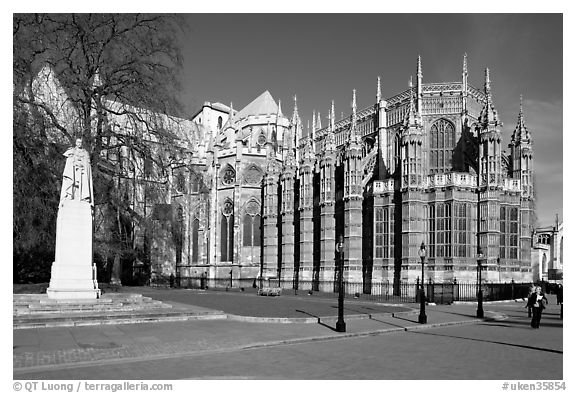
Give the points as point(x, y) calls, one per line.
point(480, 309)
point(422, 317)
point(340, 324)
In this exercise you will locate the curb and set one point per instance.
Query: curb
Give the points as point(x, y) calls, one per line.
point(242, 318)
point(490, 302)
point(269, 344)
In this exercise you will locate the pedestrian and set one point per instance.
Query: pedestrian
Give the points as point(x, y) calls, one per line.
point(560, 300)
point(536, 302)
point(559, 294)
point(530, 292)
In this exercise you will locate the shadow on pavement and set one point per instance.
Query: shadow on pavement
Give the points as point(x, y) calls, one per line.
point(490, 341)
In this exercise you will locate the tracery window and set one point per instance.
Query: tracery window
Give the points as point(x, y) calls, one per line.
point(227, 232)
point(442, 136)
point(195, 230)
point(251, 227)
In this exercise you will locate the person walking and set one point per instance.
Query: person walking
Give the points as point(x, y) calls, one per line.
point(530, 292)
point(536, 302)
point(560, 299)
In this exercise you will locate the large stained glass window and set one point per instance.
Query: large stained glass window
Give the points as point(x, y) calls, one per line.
point(442, 136)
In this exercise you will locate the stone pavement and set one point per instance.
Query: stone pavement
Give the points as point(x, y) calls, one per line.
point(42, 349)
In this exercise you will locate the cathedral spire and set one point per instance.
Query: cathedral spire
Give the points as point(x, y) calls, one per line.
point(489, 115)
point(296, 123)
point(378, 91)
point(520, 132)
point(231, 114)
point(313, 123)
point(353, 132)
point(279, 109)
point(487, 89)
point(412, 116)
point(329, 140)
point(419, 86)
point(332, 116)
point(318, 121)
point(464, 82)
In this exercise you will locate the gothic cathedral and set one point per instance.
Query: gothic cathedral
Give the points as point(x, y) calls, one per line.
point(263, 196)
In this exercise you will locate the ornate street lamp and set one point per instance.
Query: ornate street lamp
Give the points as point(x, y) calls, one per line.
point(480, 309)
point(422, 317)
point(340, 324)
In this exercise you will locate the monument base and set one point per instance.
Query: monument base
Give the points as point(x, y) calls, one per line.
point(73, 294)
point(72, 274)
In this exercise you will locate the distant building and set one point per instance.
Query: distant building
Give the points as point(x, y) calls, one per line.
point(547, 253)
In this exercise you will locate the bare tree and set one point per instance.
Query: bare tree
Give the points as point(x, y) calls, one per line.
point(108, 67)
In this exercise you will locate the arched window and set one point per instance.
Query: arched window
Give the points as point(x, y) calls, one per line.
point(251, 225)
point(247, 229)
point(219, 122)
point(181, 182)
point(195, 183)
point(227, 232)
point(195, 229)
point(441, 146)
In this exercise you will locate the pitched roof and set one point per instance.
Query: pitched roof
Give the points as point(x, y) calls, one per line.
point(263, 105)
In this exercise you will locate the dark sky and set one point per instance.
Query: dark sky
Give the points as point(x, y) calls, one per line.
point(320, 57)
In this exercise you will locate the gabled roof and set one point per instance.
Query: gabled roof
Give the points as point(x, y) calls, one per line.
point(263, 105)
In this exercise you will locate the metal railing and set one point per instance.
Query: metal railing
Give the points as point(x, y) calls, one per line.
point(388, 292)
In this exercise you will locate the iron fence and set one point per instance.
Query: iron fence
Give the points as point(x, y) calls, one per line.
point(388, 292)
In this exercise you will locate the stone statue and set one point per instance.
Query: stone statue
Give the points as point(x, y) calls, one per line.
point(73, 274)
point(77, 178)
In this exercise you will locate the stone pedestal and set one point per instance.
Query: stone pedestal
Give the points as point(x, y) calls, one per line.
point(72, 274)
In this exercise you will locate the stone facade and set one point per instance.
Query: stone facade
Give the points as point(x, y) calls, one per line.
point(254, 193)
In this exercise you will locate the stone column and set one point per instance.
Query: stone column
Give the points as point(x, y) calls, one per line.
point(287, 269)
point(306, 226)
point(352, 216)
point(327, 223)
point(270, 226)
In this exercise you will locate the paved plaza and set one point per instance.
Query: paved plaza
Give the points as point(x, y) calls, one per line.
point(381, 342)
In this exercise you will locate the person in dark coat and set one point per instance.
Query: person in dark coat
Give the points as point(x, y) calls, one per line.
point(536, 302)
point(559, 294)
point(530, 292)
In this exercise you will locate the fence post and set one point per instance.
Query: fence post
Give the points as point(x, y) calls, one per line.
point(455, 294)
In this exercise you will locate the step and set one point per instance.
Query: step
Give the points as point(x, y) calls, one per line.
point(44, 309)
point(116, 318)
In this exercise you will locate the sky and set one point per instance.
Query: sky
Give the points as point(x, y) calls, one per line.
point(323, 57)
